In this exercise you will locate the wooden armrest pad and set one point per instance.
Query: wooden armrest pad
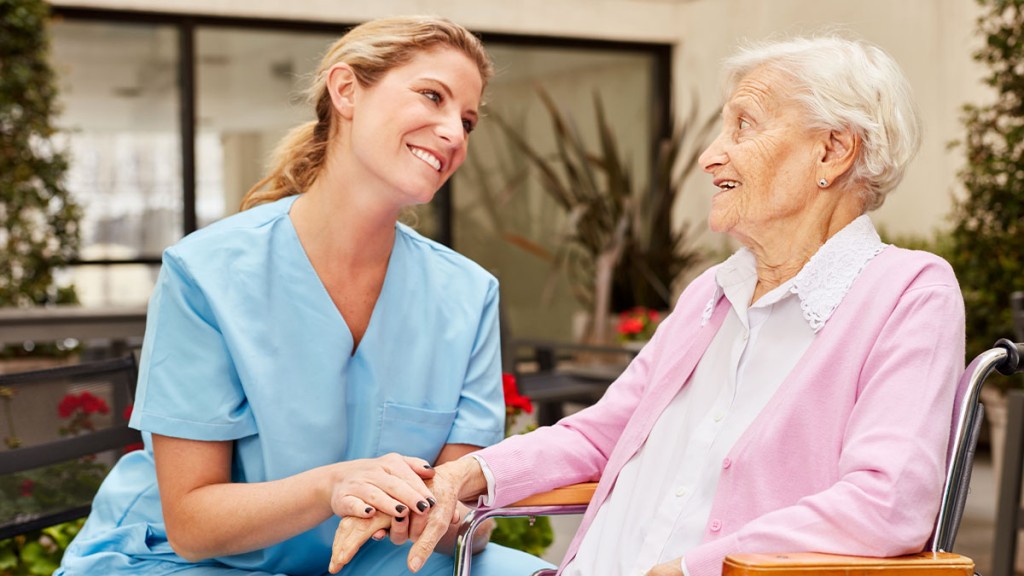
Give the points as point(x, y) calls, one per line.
point(564, 496)
point(804, 563)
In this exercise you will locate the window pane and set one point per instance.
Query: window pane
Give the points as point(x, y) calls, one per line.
point(119, 92)
point(250, 87)
point(119, 96)
point(508, 223)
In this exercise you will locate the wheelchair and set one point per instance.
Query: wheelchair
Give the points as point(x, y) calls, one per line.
point(937, 559)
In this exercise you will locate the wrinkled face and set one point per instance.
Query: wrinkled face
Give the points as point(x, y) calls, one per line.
point(410, 130)
point(763, 162)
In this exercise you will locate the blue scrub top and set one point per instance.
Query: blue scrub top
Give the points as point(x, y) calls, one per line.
point(244, 343)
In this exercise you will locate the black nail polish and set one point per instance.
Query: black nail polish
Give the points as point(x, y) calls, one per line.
point(431, 501)
point(368, 509)
point(427, 466)
point(421, 506)
point(400, 508)
point(400, 519)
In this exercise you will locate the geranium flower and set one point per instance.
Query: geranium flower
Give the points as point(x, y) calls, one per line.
point(92, 404)
point(637, 324)
point(514, 401)
point(68, 405)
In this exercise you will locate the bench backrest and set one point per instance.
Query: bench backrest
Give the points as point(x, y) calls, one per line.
point(63, 428)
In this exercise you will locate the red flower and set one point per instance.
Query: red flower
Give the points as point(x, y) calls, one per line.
point(513, 399)
point(637, 324)
point(26, 487)
point(91, 404)
point(630, 325)
point(68, 405)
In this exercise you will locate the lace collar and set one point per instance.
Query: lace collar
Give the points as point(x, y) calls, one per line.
point(825, 280)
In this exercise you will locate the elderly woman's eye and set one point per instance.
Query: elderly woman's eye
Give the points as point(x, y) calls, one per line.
point(743, 124)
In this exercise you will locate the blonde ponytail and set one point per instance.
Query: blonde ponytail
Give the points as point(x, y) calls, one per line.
point(297, 160)
point(371, 49)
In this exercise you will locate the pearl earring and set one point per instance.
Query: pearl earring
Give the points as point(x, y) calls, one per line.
point(822, 183)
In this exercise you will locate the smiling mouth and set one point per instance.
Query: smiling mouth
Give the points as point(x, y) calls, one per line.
point(727, 185)
point(431, 160)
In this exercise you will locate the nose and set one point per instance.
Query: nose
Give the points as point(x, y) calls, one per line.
point(451, 131)
point(714, 155)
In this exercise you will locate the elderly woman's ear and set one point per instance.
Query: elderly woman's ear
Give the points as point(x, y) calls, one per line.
point(839, 152)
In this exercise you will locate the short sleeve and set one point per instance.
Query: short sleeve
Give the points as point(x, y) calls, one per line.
point(480, 419)
point(188, 386)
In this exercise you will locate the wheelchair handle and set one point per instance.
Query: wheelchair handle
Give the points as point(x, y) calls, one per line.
point(1014, 361)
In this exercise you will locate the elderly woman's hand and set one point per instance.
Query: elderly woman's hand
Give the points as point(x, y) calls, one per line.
point(391, 484)
point(352, 533)
point(455, 481)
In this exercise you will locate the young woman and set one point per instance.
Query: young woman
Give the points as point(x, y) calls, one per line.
point(293, 348)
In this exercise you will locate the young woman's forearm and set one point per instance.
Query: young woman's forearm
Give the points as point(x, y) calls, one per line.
point(232, 518)
point(207, 515)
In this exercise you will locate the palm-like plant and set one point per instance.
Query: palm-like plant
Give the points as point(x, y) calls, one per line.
point(616, 234)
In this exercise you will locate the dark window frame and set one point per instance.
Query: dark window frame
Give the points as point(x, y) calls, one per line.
point(186, 24)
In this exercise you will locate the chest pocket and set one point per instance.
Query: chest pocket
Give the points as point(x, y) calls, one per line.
point(414, 431)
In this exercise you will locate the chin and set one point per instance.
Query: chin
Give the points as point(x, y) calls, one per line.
point(717, 224)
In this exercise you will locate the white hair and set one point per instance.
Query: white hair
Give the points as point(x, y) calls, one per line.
point(846, 85)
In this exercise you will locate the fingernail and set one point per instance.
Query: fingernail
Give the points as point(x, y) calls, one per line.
point(428, 466)
point(431, 501)
point(400, 508)
point(368, 509)
point(415, 564)
point(400, 519)
point(421, 506)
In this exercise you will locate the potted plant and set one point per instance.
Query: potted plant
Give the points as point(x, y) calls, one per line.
point(618, 237)
point(987, 241)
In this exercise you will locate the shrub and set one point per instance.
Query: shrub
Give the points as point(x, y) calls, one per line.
point(987, 243)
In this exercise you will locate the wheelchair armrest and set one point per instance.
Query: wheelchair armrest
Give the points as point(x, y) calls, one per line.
point(572, 495)
point(806, 563)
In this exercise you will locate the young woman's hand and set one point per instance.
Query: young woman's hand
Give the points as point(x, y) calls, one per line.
point(391, 484)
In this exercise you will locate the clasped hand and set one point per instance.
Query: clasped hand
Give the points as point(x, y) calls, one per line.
point(392, 484)
point(425, 528)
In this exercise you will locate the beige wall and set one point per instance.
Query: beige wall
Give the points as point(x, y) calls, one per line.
point(932, 39)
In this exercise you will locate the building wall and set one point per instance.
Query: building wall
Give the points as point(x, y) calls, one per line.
point(932, 40)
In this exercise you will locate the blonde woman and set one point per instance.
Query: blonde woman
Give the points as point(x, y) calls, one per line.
point(293, 349)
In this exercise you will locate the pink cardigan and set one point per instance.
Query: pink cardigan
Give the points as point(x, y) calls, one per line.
point(847, 457)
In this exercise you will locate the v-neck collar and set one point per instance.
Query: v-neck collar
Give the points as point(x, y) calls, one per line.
point(309, 269)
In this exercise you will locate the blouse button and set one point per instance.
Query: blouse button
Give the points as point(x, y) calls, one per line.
point(715, 526)
point(726, 463)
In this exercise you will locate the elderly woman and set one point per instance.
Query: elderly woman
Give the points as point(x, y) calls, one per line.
point(799, 396)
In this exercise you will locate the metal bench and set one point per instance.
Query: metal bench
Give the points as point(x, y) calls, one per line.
point(51, 481)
